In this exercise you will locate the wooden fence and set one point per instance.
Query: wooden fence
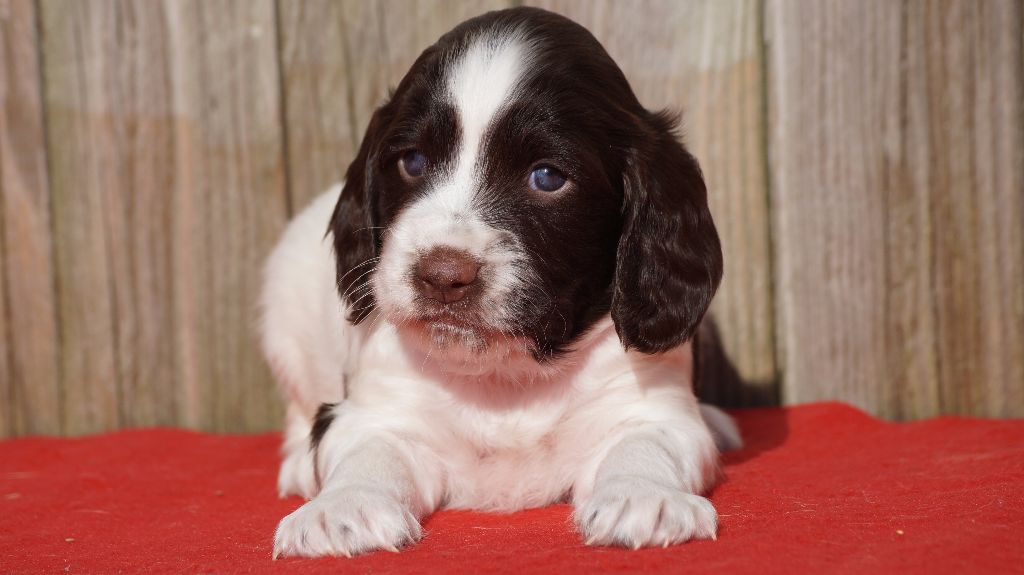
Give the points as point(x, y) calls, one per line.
point(865, 161)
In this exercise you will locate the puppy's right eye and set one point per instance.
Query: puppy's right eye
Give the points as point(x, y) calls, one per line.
point(547, 179)
point(412, 164)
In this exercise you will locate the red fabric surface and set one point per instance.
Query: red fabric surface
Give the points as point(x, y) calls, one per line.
point(819, 488)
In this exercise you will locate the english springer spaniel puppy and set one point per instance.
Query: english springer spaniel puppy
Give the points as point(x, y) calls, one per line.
point(500, 314)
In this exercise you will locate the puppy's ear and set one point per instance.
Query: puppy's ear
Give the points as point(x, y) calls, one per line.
point(354, 225)
point(669, 259)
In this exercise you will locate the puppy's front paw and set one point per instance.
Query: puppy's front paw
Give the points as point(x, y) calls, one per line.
point(637, 513)
point(346, 522)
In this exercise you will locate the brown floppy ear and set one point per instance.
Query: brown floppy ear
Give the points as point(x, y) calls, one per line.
point(669, 260)
point(357, 239)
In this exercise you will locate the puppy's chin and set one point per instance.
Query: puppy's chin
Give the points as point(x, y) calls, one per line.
point(451, 334)
point(453, 329)
point(456, 345)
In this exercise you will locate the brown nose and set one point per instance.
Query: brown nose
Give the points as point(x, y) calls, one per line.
point(446, 274)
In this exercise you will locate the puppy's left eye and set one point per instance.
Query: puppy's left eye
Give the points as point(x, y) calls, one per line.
point(547, 179)
point(412, 164)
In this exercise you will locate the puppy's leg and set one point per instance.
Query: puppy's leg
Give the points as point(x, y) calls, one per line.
point(723, 428)
point(296, 475)
point(375, 489)
point(646, 490)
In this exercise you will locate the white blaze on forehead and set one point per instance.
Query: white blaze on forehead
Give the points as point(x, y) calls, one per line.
point(482, 82)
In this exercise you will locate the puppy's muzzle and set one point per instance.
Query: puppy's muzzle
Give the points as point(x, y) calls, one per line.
point(446, 275)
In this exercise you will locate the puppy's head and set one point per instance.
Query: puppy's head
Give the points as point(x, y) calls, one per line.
point(514, 189)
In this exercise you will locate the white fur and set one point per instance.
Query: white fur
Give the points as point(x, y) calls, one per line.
point(619, 434)
point(305, 338)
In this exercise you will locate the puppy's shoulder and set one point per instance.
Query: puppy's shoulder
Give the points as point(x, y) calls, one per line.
point(304, 238)
point(301, 313)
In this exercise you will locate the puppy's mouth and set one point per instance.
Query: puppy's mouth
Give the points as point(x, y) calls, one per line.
point(451, 322)
point(452, 325)
point(445, 329)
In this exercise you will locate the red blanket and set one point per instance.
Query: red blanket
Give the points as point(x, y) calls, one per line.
point(819, 488)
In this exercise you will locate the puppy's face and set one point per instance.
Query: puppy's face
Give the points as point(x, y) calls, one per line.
point(514, 190)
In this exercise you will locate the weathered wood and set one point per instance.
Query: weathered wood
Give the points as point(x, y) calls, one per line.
point(897, 189)
point(29, 365)
point(6, 343)
point(6, 378)
point(230, 204)
point(706, 59)
point(319, 130)
point(82, 151)
point(168, 186)
point(110, 134)
point(134, 221)
point(975, 51)
point(339, 58)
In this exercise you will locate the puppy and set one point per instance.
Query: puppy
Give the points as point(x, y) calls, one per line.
point(500, 314)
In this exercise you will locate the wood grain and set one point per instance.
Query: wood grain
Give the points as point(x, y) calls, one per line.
point(865, 165)
point(706, 60)
point(320, 132)
point(6, 391)
point(975, 182)
point(897, 189)
point(110, 127)
point(82, 148)
point(29, 366)
point(230, 204)
point(168, 185)
point(339, 58)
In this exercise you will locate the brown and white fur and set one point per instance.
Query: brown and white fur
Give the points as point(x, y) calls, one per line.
point(471, 334)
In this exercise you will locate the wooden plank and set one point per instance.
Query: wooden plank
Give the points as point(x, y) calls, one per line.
point(109, 133)
point(338, 60)
point(975, 184)
point(706, 59)
point(26, 241)
point(6, 377)
point(830, 225)
point(30, 390)
point(168, 187)
point(6, 342)
point(897, 190)
point(321, 135)
point(79, 189)
point(230, 205)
